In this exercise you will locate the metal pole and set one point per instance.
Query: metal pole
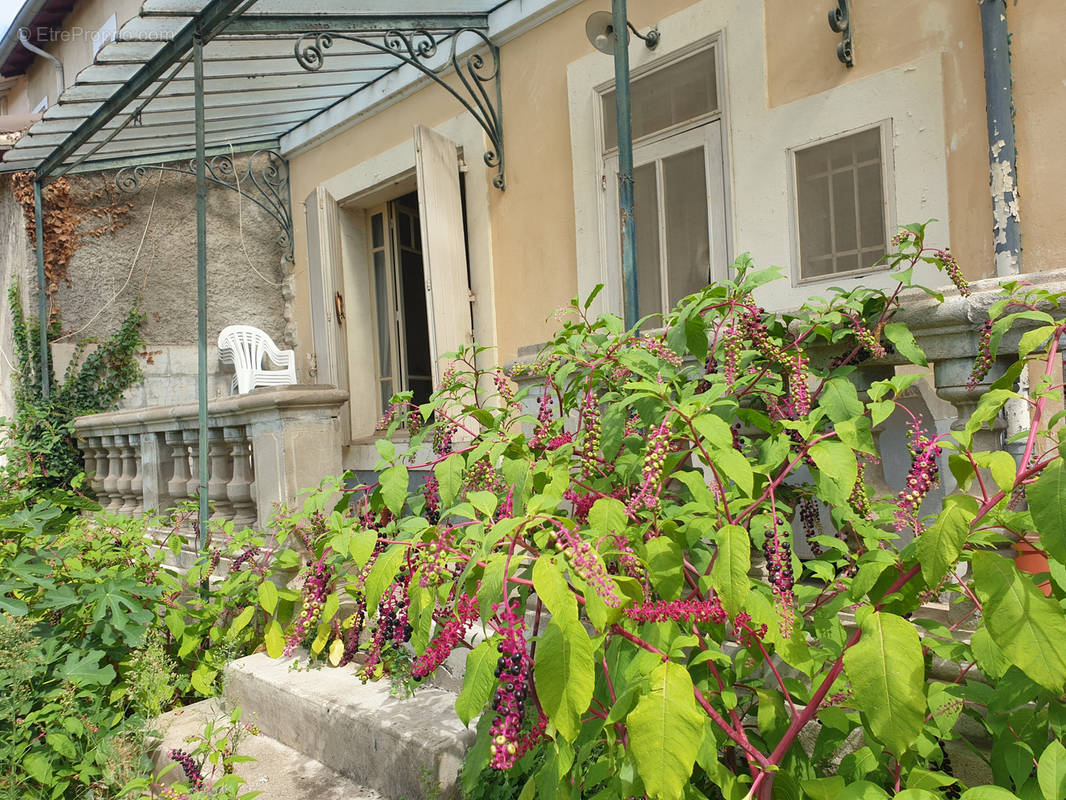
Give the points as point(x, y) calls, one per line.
point(201, 275)
point(627, 221)
point(42, 290)
point(1002, 150)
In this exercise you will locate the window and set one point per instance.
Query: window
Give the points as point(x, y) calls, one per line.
point(403, 355)
point(840, 204)
point(42, 106)
point(106, 33)
point(678, 179)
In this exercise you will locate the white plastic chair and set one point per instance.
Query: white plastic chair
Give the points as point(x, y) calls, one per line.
point(247, 349)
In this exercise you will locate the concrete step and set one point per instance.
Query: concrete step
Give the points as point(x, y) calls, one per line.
point(278, 771)
point(403, 748)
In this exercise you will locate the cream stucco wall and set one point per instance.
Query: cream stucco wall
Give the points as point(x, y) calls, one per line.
point(919, 66)
point(74, 45)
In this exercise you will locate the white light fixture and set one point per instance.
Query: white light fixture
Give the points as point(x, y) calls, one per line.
point(599, 28)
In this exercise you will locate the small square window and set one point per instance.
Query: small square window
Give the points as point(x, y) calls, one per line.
point(840, 205)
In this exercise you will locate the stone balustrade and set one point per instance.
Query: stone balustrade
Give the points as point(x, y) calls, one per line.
point(263, 447)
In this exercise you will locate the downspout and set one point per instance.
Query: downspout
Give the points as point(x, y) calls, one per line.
point(24, 38)
point(1003, 181)
point(626, 202)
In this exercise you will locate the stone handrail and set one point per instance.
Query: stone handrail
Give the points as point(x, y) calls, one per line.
point(264, 447)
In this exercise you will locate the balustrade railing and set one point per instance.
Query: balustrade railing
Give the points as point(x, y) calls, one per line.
point(263, 447)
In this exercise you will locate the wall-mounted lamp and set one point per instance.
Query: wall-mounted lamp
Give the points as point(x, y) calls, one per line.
point(600, 30)
point(840, 22)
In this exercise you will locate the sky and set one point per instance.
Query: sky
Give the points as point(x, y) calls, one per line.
point(8, 10)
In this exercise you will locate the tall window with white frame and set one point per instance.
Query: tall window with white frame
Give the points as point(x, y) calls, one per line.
point(403, 351)
point(840, 201)
point(678, 176)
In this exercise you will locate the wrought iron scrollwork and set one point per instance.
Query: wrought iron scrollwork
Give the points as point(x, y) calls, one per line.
point(263, 180)
point(840, 22)
point(475, 70)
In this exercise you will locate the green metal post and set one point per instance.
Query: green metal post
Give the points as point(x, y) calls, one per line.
point(201, 274)
point(42, 290)
point(627, 220)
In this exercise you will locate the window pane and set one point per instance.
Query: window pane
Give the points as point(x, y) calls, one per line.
point(646, 211)
point(844, 210)
point(840, 204)
point(384, 315)
point(666, 97)
point(688, 244)
point(377, 230)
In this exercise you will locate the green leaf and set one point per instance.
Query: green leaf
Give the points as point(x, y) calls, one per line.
point(564, 673)
point(274, 639)
point(823, 788)
point(988, 793)
point(665, 732)
point(485, 502)
point(886, 670)
point(83, 669)
point(1027, 626)
point(733, 466)
point(916, 794)
point(38, 768)
point(361, 546)
point(862, 790)
point(382, 574)
point(61, 743)
point(203, 680)
point(900, 335)
point(989, 657)
point(715, 430)
point(940, 546)
point(1047, 502)
point(608, 515)
point(836, 461)
point(840, 399)
point(1030, 340)
point(478, 681)
point(729, 576)
point(268, 596)
point(665, 566)
point(449, 474)
point(1051, 771)
point(240, 622)
point(394, 486)
point(553, 589)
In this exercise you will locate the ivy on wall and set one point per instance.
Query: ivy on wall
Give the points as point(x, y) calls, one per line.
point(40, 445)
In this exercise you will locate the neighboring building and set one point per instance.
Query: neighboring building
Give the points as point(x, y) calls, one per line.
point(750, 135)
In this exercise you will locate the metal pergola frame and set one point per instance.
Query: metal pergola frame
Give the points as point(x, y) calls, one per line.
point(409, 38)
point(96, 140)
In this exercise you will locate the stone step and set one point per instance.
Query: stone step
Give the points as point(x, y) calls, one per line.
point(278, 771)
point(403, 748)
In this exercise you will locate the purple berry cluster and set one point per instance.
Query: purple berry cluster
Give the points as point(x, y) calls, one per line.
point(950, 265)
point(509, 701)
point(678, 611)
point(778, 554)
point(393, 627)
point(449, 635)
point(589, 416)
point(647, 494)
point(586, 564)
point(866, 339)
point(922, 477)
point(243, 558)
point(431, 491)
point(656, 345)
point(189, 766)
point(983, 363)
point(315, 591)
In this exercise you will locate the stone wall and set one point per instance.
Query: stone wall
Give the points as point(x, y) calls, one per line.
point(150, 262)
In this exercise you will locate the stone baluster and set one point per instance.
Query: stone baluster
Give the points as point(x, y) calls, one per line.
point(239, 489)
point(113, 456)
point(125, 479)
point(221, 472)
point(137, 482)
point(191, 437)
point(951, 377)
point(178, 485)
point(95, 464)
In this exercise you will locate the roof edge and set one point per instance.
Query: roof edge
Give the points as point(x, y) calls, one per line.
point(23, 19)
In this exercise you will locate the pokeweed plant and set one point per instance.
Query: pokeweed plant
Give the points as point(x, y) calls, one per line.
point(624, 577)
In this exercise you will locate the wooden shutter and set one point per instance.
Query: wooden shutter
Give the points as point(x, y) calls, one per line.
point(443, 246)
point(324, 265)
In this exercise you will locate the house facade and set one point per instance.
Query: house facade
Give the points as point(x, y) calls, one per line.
point(751, 135)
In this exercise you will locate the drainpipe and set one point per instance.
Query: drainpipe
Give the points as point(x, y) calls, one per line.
point(24, 38)
point(626, 203)
point(1003, 181)
point(1002, 150)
